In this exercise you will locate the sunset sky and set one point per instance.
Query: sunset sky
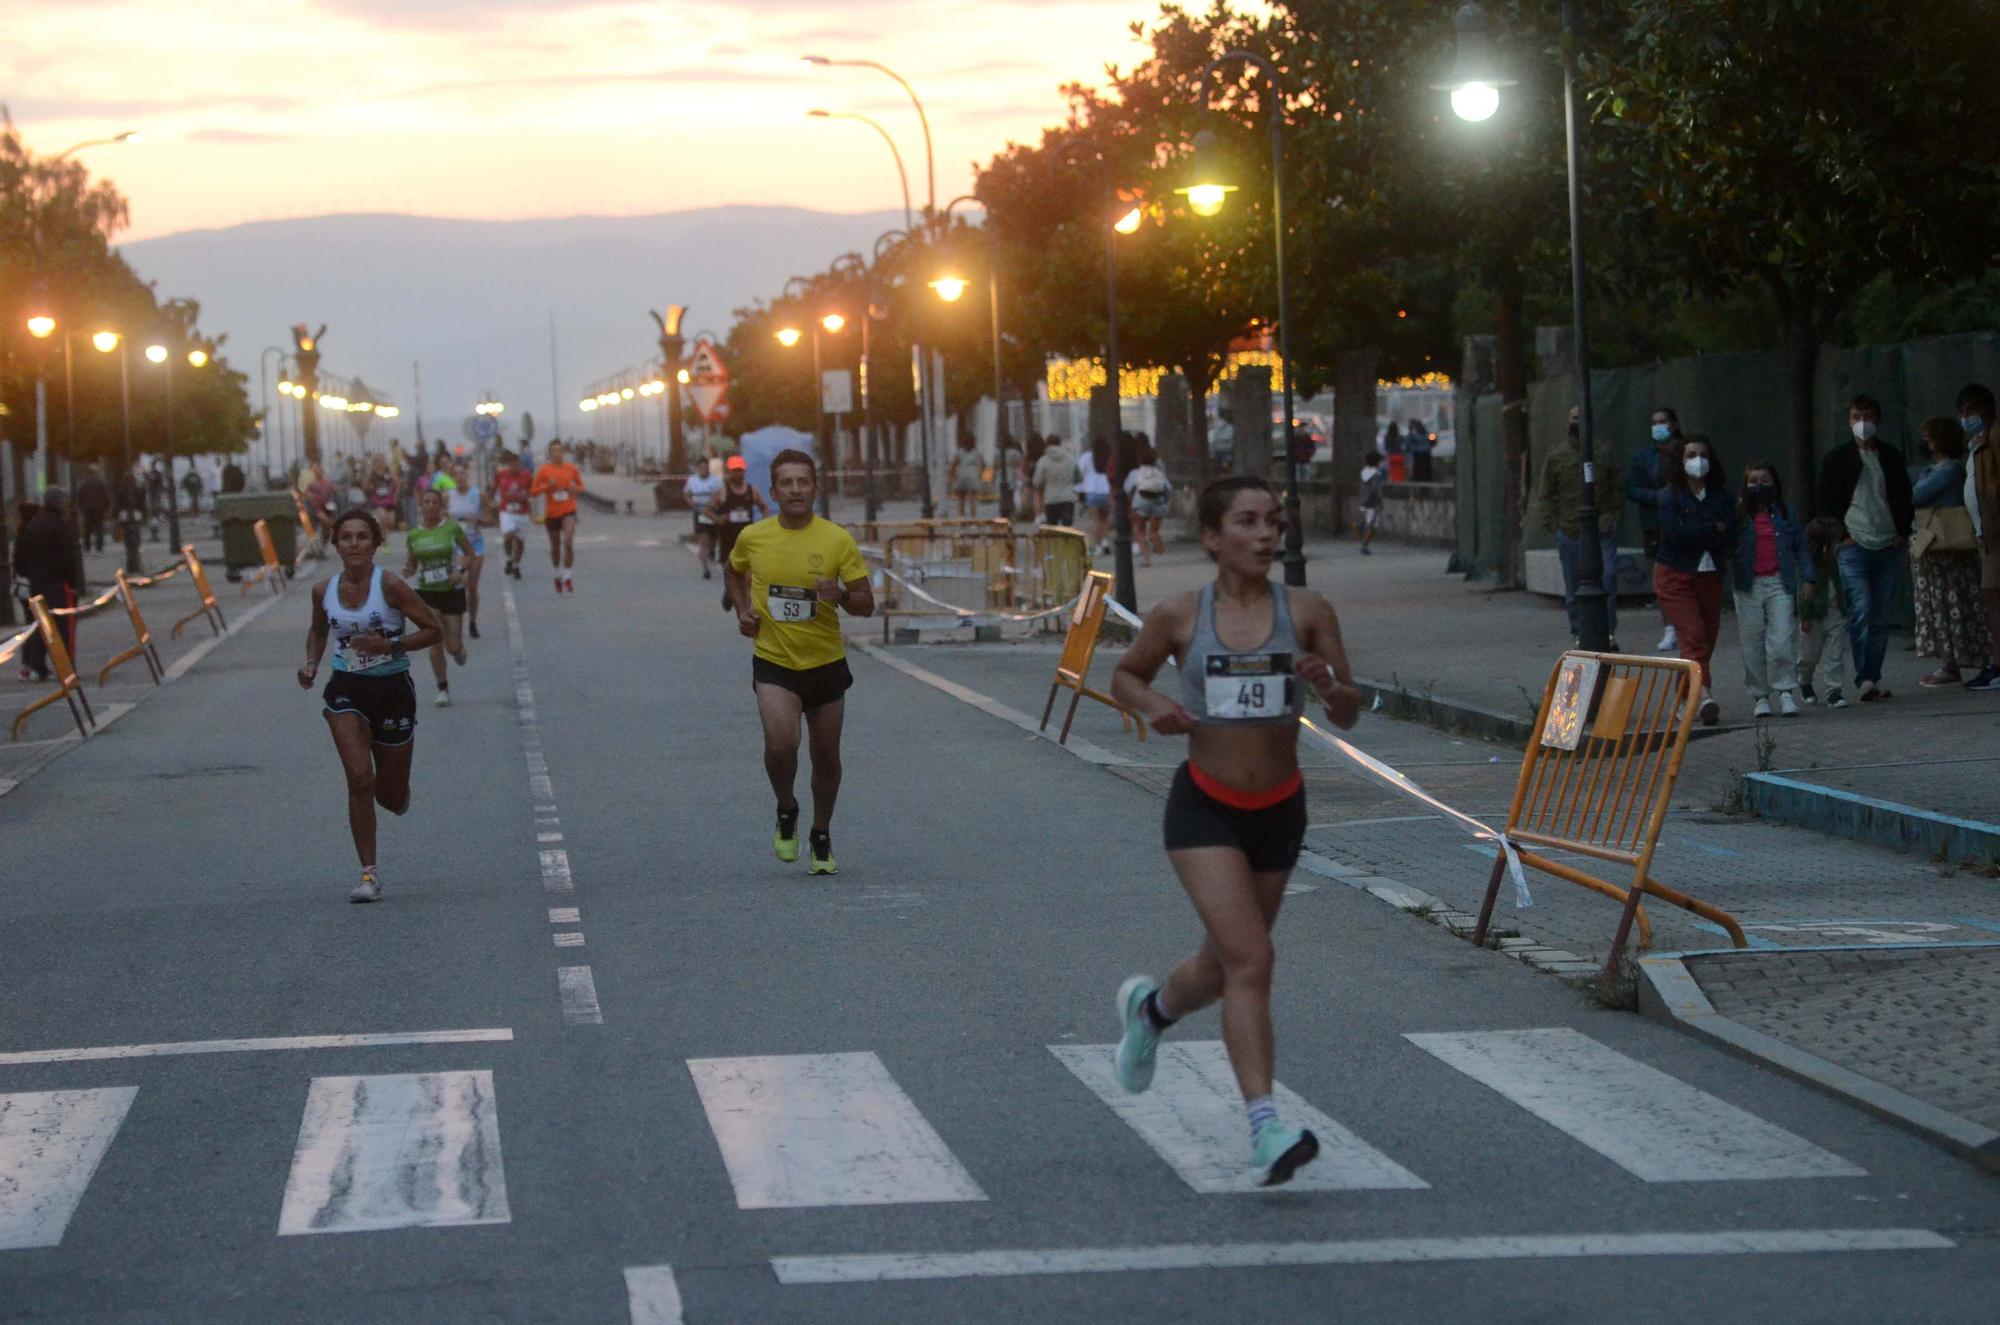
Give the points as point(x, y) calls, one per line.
point(504, 109)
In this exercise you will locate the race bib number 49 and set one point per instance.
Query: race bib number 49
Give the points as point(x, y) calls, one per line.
point(1249, 685)
point(786, 603)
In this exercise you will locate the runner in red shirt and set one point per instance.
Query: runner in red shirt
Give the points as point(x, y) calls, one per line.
point(557, 482)
point(512, 498)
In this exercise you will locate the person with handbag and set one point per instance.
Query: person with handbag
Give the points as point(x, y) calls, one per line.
point(1866, 486)
point(1944, 558)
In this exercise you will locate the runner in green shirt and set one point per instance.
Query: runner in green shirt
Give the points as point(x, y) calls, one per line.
point(434, 543)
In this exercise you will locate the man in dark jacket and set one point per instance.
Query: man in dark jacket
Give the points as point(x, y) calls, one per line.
point(93, 499)
point(1865, 485)
point(46, 556)
point(1649, 471)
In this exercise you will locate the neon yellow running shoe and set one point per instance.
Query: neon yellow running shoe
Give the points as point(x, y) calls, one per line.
point(786, 840)
point(821, 861)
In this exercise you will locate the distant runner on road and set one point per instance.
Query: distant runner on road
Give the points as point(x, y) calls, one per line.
point(434, 544)
point(557, 482)
point(1248, 652)
point(370, 702)
point(735, 504)
point(790, 577)
point(513, 497)
point(698, 492)
point(466, 504)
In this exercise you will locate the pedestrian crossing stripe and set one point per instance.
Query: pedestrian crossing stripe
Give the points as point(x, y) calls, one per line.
point(1651, 1125)
point(1193, 1118)
point(404, 1151)
point(51, 1143)
point(824, 1129)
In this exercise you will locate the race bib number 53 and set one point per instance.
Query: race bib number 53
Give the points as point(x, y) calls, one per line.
point(786, 603)
point(1249, 685)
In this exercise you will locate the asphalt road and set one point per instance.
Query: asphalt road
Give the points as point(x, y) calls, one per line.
point(800, 1091)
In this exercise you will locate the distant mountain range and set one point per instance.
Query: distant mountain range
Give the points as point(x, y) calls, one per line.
point(471, 300)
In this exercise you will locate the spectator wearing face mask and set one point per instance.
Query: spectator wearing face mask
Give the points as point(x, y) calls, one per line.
point(1866, 486)
point(1643, 481)
point(1769, 566)
point(1944, 560)
point(1982, 503)
point(1698, 525)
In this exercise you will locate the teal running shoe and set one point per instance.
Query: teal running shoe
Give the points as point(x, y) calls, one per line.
point(1280, 1152)
point(1140, 1041)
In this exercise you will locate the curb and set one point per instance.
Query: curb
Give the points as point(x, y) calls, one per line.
point(1669, 993)
point(1450, 715)
point(1858, 818)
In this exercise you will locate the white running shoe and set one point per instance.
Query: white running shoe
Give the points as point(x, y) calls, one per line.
point(1711, 712)
point(1669, 641)
point(1788, 704)
point(369, 889)
point(444, 699)
point(1762, 709)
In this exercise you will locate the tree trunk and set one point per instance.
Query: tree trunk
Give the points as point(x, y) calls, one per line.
point(1354, 378)
point(1802, 341)
point(1199, 385)
point(1511, 368)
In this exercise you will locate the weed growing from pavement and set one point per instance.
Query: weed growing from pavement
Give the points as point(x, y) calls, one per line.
point(1767, 746)
point(1731, 801)
point(1618, 991)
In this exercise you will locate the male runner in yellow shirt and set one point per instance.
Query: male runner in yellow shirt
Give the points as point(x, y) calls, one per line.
point(789, 577)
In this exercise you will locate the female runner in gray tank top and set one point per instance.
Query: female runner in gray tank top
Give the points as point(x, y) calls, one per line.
point(375, 621)
point(1250, 652)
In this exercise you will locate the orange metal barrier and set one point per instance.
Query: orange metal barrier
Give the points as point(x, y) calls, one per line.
point(273, 572)
point(68, 688)
point(144, 647)
point(209, 607)
point(1079, 647)
point(309, 540)
point(1597, 778)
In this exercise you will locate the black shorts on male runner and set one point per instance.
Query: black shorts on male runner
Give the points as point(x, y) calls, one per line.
point(444, 600)
point(816, 687)
point(388, 704)
point(1270, 838)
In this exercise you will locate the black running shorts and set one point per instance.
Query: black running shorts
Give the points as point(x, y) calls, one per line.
point(450, 601)
point(1269, 838)
point(816, 687)
point(388, 704)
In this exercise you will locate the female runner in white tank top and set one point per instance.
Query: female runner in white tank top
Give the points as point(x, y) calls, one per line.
point(369, 702)
point(1249, 653)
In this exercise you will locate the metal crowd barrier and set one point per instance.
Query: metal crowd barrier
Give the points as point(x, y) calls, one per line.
point(1079, 647)
point(273, 571)
point(1597, 778)
point(984, 571)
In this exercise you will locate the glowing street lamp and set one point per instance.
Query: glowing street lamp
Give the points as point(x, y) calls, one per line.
point(198, 358)
point(104, 341)
point(156, 354)
point(789, 336)
point(41, 327)
point(1128, 224)
point(950, 288)
point(1475, 80)
point(833, 322)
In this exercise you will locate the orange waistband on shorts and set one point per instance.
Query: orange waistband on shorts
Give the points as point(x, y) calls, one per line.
point(1245, 800)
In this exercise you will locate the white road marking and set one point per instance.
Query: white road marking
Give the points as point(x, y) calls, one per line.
point(1082, 749)
point(565, 915)
point(548, 837)
point(184, 664)
point(1382, 1251)
point(277, 1042)
point(824, 1129)
point(579, 996)
point(1646, 1122)
point(555, 871)
point(568, 939)
point(51, 1143)
point(652, 1296)
point(408, 1151)
point(539, 785)
point(1193, 1118)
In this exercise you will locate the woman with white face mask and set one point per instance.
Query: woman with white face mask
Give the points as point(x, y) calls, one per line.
point(1698, 531)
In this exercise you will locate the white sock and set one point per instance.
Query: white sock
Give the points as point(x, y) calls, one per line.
point(1263, 1114)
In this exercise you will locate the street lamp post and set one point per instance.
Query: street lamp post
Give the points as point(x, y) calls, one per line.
point(264, 401)
point(196, 358)
point(671, 349)
point(1474, 84)
point(128, 529)
point(1125, 587)
point(951, 295)
point(1205, 196)
point(305, 359)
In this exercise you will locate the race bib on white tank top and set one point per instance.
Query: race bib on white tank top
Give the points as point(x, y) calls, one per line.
point(1249, 686)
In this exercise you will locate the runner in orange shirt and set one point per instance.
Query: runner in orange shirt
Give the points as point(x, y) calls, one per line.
point(557, 482)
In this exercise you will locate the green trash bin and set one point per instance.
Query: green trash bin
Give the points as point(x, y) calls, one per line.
point(238, 513)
